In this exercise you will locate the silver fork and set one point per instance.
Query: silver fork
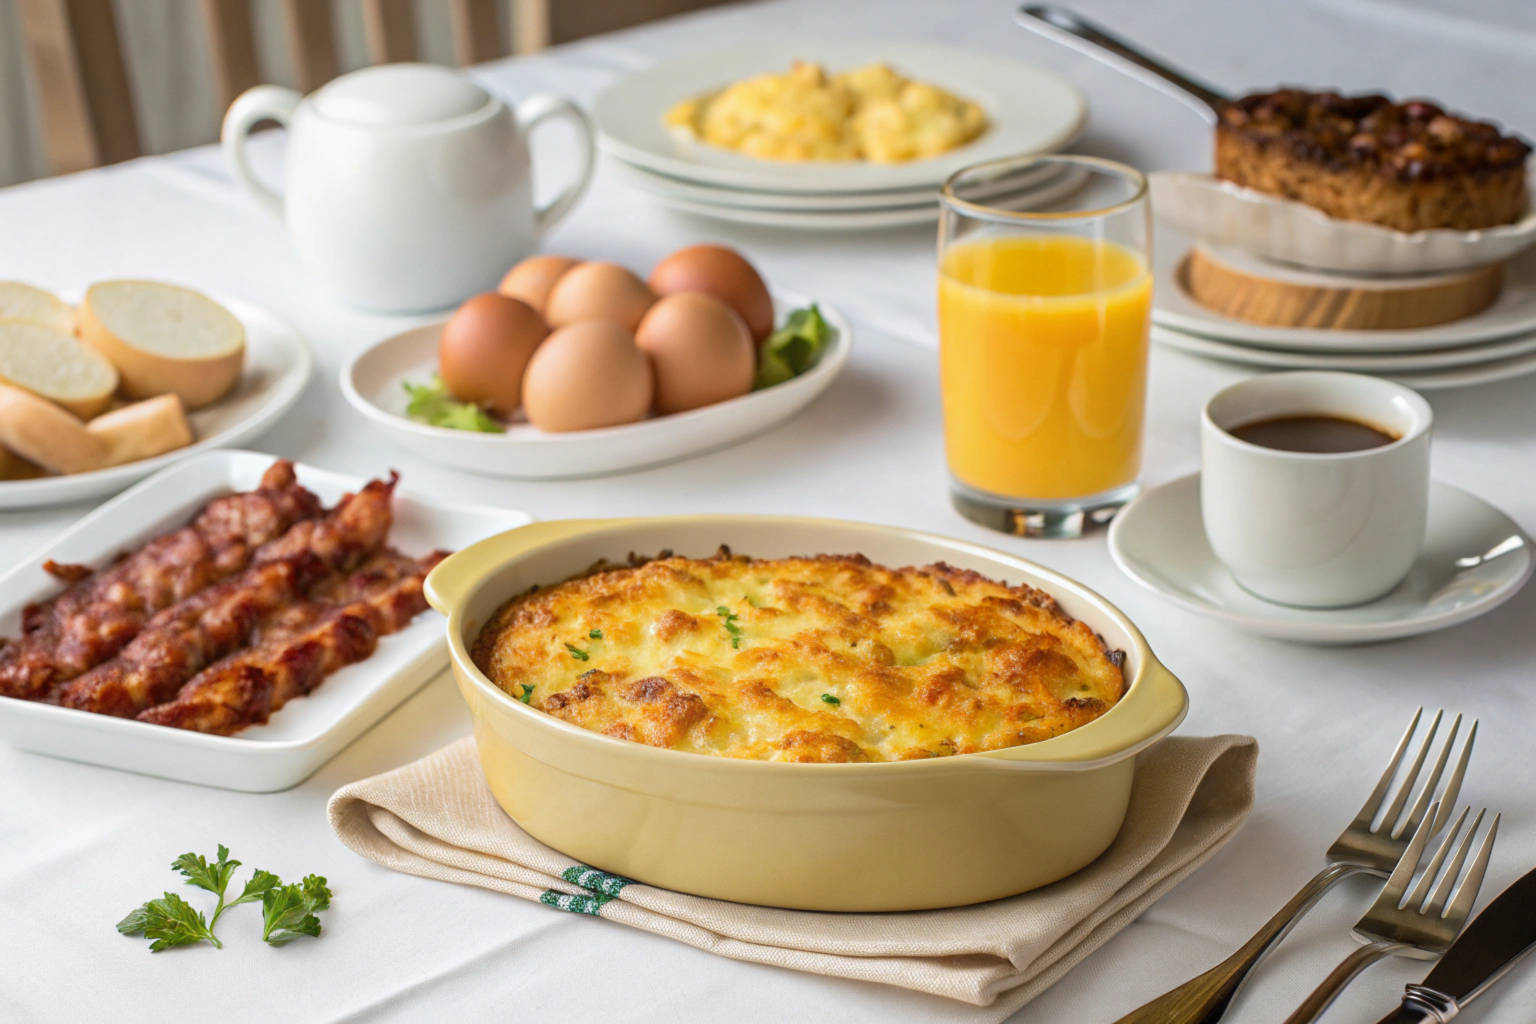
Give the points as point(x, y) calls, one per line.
point(1422, 928)
point(1359, 849)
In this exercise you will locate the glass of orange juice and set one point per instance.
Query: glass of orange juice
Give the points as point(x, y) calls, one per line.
point(1043, 321)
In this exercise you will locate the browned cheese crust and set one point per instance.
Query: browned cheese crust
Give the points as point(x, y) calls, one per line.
point(823, 659)
point(1407, 166)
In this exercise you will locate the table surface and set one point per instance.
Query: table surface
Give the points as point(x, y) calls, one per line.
point(79, 845)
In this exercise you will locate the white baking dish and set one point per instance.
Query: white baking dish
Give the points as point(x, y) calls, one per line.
point(306, 732)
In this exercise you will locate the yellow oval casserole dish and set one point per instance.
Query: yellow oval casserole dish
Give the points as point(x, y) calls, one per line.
point(871, 835)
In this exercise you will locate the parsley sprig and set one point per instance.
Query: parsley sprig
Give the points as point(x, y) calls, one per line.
point(729, 620)
point(288, 911)
point(430, 403)
point(576, 652)
point(827, 698)
point(527, 695)
point(172, 921)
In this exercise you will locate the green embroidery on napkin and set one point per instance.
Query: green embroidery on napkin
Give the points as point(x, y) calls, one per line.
point(603, 886)
point(576, 904)
point(593, 880)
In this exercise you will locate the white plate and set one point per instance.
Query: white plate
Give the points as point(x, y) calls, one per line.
point(1484, 371)
point(867, 220)
point(805, 220)
point(1219, 212)
point(306, 732)
point(277, 367)
point(1030, 110)
point(1361, 362)
point(1512, 313)
point(1474, 559)
point(845, 202)
point(372, 383)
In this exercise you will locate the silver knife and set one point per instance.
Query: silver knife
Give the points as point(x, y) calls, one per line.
point(1492, 944)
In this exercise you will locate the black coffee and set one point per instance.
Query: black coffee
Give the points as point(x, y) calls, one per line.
point(1320, 435)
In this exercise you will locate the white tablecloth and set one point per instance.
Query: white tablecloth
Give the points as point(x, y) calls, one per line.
point(79, 846)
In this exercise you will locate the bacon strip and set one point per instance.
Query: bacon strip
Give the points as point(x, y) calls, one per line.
point(328, 633)
point(184, 638)
point(99, 613)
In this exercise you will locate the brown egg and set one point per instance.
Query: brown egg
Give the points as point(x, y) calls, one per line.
point(587, 375)
point(533, 278)
point(725, 274)
point(700, 350)
point(598, 291)
point(484, 349)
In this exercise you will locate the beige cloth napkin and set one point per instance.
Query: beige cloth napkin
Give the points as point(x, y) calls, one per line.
point(436, 818)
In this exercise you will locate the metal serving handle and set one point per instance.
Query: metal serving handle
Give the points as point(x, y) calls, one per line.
point(1067, 28)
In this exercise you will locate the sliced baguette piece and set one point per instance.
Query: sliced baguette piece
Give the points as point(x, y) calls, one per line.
point(24, 302)
point(55, 366)
point(164, 339)
point(142, 430)
point(47, 435)
point(14, 467)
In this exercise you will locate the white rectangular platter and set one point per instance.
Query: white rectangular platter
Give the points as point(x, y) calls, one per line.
point(306, 732)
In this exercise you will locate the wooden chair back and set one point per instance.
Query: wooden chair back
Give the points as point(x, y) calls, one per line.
point(82, 81)
point(87, 108)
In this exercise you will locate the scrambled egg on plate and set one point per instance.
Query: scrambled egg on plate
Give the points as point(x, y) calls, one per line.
point(869, 113)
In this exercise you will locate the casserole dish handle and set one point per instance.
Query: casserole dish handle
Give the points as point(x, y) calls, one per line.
point(1151, 710)
point(455, 576)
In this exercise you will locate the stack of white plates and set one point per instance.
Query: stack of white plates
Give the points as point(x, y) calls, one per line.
point(1029, 110)
point(1497, 344)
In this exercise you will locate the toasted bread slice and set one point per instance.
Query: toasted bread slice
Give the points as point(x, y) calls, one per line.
point(142, 430)
point(164, 339)
point(55, 366)
point(24, 302)
point(47, 435)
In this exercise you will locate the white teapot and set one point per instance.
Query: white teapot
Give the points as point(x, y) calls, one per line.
point(407, 186)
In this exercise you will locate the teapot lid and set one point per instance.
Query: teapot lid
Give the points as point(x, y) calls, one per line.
point(395, 95)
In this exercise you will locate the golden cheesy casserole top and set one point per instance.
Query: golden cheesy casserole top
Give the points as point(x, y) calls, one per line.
point(829, 658)
point(872, 113)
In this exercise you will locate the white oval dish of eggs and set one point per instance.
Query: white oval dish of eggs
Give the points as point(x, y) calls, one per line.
point(691, 348)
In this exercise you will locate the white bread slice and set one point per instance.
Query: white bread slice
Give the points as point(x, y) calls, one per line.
point(23, 302)
point(164, 339)
point(14, 467)
point(142, 430)
point(55, 366)
point(41, 432)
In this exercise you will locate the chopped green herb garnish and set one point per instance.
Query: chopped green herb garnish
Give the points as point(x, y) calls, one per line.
point(432, 404)
point(830, 699)
point(576, 652)
point(793, 348)
point(527, 694)
point(595, 634)
point(730, 625)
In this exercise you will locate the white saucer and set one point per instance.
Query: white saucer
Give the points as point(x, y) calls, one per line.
point(1512, 313)
point(1474, 559)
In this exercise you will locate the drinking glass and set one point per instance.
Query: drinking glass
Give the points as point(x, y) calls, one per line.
point(1044, 314)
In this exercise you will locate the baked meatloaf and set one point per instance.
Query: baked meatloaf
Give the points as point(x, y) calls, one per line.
point(1408, 166)
point(821, 659)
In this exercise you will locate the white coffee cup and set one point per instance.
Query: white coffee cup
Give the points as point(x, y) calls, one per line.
point(1308, 529)
point(407, 186)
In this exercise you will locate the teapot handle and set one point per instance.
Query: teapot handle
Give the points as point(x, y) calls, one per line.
point(263, 103)
point(537, 109)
